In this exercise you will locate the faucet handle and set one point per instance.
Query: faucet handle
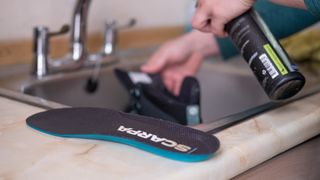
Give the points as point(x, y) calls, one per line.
point(130, 24)
point(110, 36)
point(40, 51)
point(113, 24)
point(41, 48)
point(64, 29)
point(111, 32)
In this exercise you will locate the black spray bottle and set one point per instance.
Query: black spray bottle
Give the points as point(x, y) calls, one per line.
point(278, 76)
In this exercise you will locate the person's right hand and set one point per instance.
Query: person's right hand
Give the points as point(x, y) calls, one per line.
point(212, 15)
point(181, 57)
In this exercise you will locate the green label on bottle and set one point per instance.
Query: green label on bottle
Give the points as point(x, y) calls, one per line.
point(282, 69)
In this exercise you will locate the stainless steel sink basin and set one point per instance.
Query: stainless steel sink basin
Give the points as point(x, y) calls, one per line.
point(226, 89)
point(230, 92)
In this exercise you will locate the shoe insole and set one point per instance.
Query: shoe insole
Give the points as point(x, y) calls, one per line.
point(157, 136)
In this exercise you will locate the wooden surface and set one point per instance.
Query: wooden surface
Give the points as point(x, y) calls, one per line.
point(17, 52)
point(29, 154)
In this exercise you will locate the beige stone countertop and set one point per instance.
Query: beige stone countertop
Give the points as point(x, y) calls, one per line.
point(28, 154)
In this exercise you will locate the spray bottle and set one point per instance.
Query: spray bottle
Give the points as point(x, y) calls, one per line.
point(271, 65)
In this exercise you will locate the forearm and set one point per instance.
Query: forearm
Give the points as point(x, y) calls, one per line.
point(291, 3)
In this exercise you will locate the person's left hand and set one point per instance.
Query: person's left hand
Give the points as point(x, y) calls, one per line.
point(181, 57)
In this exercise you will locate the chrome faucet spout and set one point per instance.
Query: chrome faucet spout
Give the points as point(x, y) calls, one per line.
point(78, 56)
point(79, 30)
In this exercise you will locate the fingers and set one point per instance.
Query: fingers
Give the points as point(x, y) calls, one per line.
point(212, 15)
point(156, 63)
point(173, 81)
point(168, 82)
point(193, 65)
point(217, 27)
point(202, 18)
point(205, 20)
point(173, 78)
point(177, 86)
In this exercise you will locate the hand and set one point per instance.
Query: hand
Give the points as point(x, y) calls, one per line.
point(181, 57)
point(212, 15)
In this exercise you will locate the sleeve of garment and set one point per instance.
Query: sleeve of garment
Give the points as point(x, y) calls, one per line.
point(282, 21)
point(313, 6)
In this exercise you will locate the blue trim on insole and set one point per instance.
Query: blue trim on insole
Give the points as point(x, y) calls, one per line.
point(171, 155)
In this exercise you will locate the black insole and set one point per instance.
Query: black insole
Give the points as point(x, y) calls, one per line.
point(154, 135)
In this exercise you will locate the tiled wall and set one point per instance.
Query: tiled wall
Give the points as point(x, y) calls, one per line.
point(18, 17)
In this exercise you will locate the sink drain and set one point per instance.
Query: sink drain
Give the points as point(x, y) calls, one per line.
point(91, 85)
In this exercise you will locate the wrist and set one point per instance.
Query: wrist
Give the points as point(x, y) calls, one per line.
point(203, 43)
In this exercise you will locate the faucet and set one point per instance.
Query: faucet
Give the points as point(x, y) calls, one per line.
point(78, 56)
point(79, 30)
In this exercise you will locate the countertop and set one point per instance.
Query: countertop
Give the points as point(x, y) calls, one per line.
point(28, 154)
point(300, 162)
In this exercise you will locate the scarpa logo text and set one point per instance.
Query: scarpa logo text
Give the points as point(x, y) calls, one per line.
point(155, 138)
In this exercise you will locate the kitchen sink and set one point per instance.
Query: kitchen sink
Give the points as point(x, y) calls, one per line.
point(225, 89)
point(229, 91)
